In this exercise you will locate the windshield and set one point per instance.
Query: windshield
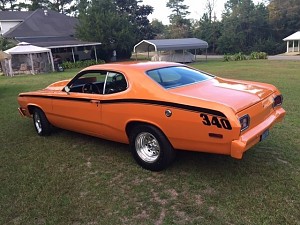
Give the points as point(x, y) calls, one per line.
point(171, 77)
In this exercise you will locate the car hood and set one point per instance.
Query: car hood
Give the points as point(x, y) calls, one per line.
point(238, 95)
point(57, 86)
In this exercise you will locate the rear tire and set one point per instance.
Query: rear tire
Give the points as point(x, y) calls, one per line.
point(41, 123)
point(150, 148)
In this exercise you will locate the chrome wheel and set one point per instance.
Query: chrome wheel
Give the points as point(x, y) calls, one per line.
point(147, 147)
point(150, 147)
point(37, 123)
point(41, 123)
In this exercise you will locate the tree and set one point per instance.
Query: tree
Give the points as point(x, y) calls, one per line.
point(79, 6)
point(32, 5)
point(138, 17)
point(179, 10)
point(158, 28)
point(245, 27)
point(284, 17)
point(117, 24)
point(62, 6)
point(179, 25)
point(210, 5)
point(6, 44)
point(208, 28)
point(7, 5)
point(100, 22)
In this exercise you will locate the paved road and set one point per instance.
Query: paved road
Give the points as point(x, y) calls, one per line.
point(271, 57)
point(210, 56)
point(284, 57)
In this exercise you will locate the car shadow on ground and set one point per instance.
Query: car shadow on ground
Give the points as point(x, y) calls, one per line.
point(184, 161)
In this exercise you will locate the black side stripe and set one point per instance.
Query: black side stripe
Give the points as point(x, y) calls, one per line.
point(57, 97)
point(138, 101)
point(169, 104)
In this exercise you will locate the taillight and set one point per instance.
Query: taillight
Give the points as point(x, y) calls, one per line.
point(244, 121)
point(277, 100)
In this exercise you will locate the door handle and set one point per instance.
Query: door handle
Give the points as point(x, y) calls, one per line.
point(95, 102)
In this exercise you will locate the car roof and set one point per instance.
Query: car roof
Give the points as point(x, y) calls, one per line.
point(132, 65)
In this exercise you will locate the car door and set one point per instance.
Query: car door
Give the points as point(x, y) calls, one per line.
point(79, 109)
point(112, 110)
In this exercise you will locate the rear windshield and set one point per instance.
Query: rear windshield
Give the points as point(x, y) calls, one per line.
point(172, 77)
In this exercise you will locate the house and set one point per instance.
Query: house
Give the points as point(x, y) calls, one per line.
point(293, 43)
point(10, 19)
point(49, 29)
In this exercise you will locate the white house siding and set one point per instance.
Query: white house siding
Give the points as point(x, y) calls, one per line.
point(6, 25)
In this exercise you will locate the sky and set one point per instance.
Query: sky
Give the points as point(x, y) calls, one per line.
point(196, 7)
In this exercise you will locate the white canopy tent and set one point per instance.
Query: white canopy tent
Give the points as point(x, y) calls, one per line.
point(295, 40)
point(27, 58)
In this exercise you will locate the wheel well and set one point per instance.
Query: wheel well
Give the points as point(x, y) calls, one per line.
point(133, 124)
point(31, 108)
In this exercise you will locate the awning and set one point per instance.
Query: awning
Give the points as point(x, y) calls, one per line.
point(57, 42)
point(170, 44)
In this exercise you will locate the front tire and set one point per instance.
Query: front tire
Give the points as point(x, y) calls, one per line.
point(150, 148)
point(41, 123)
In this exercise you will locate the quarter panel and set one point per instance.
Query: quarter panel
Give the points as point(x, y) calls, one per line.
point(44, 104)
point(184, 129)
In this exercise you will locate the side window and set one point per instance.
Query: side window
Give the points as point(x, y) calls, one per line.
point(90, 82)
point(99, 82)
point(115, 82)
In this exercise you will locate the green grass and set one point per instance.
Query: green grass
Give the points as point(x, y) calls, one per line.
point(68, 178)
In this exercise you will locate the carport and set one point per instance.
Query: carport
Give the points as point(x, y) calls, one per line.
point(170, 45)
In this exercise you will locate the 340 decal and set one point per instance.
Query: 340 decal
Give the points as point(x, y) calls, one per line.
point(215, 121)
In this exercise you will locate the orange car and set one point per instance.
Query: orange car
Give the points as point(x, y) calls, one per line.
point(157, 108)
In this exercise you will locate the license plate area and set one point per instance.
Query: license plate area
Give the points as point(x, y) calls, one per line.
point(264, 135)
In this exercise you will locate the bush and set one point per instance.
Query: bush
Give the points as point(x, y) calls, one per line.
point(240, 56)
point(258, 55)
point(227, 58)
point(81, 64)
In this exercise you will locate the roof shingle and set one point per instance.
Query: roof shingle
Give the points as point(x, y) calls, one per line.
point(14, 15)
point(41, 24)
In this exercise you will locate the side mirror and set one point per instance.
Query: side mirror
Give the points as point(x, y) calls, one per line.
point(67, 89)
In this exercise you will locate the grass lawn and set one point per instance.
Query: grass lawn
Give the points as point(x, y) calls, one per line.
point(68, 178)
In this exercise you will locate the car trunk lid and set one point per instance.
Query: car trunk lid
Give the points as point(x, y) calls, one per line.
point(238, 95)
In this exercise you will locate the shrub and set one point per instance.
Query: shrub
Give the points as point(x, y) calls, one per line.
point(240, 56)
point(227, 58)
point(258, 55)
point(81, 64)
